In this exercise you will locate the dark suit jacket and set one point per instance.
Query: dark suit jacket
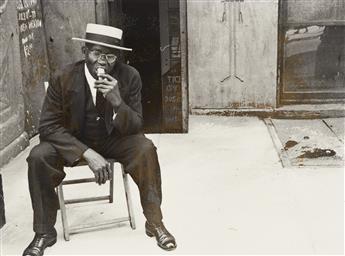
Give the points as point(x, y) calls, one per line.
point(63, 111)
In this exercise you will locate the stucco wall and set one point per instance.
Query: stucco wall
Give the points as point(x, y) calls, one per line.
point(232, 53)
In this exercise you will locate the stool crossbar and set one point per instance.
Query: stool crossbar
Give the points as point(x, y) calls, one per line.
point(68, 230)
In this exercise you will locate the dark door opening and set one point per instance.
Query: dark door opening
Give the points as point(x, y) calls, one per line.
point(156, 30)
point(141, 32)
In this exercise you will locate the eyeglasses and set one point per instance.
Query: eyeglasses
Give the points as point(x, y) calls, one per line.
point(111, 58)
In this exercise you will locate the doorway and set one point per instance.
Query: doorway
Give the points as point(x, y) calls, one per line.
point(156, 31)
point(140, 24)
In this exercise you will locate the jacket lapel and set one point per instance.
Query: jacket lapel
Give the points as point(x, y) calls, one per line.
point(108, 107)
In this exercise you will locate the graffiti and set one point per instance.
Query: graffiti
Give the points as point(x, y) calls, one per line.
point(25, 4)
point(29, 21)
point(3, 7)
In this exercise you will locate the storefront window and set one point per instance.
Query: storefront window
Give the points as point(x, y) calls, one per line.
point(314, 58)
point(313, 41)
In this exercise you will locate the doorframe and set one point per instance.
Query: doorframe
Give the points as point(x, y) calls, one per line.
point(280, 60)
point(184, 65)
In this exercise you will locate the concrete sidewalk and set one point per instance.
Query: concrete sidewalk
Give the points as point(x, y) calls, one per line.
point(224, 192)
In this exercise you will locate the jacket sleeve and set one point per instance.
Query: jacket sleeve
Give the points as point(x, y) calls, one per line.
point(51, 126)
point(129, 118)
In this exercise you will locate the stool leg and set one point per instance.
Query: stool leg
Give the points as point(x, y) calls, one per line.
point(128, 198)
point(111, 183)
point(63, 212)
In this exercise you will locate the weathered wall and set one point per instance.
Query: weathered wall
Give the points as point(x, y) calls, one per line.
point(232, 53)
point(34, 60)
point(12, 134)
point(64, 20)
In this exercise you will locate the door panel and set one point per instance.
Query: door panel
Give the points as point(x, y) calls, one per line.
point(232, 53)
point(255, 57)
point(209, 54)
point(171, 44)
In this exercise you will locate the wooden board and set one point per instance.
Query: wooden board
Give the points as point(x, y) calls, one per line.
point(12, 112)
point(11, 97)
point(232, 53)
point(255, 54)
point(34, 62)
point(171, 65)
point(208, 54)
point(64, 20)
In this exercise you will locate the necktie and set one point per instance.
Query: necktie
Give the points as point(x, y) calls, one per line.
point(100, 104)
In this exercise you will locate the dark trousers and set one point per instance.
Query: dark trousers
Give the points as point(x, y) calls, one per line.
point(135, 152)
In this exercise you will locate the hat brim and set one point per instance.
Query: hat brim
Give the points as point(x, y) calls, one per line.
point(100, 43)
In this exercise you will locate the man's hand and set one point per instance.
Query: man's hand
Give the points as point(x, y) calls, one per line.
point(109, 87)
point(99, 166)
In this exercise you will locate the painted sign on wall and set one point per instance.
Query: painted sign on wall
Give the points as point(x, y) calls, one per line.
point(34, 61)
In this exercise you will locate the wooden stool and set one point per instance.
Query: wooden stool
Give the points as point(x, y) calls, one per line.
point(67, 230)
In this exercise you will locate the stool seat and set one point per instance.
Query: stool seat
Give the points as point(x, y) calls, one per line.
point(68, 230)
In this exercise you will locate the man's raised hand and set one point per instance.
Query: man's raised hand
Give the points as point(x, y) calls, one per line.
point(108, 85)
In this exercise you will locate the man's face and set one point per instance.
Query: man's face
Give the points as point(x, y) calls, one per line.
point(99, 56)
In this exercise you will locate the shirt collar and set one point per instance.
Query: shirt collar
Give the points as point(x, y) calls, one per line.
point(90, 79)
point(91, 82)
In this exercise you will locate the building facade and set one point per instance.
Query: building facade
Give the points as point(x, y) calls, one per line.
point(194, 56)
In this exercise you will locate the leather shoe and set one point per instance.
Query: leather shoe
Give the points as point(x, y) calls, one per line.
point(40, 243)
point(165, 240)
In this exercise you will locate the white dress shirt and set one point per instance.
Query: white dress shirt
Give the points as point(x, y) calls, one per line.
point(91, 82)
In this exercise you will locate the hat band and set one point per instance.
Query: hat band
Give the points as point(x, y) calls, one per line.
point(102, 39)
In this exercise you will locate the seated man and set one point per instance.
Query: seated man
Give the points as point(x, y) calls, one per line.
point(93, 111)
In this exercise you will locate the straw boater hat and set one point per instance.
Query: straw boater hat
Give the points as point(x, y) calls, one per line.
point(103, 35)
